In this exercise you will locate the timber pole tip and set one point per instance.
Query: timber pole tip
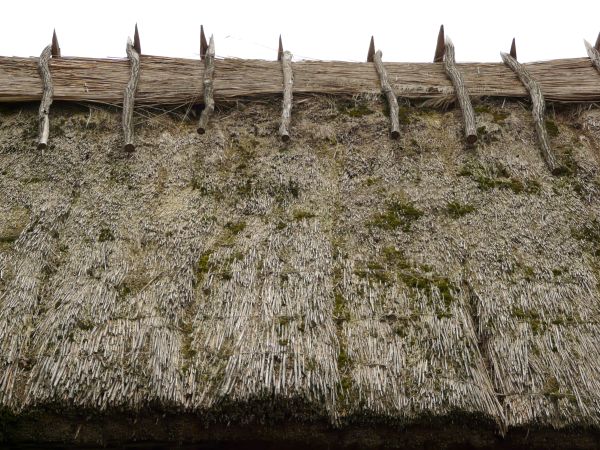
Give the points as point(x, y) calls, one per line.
point(513, 49)
point(597, 45)
point(55, 46)
point(440, 47)
point(203, 43)
point(371, 53)
point(280, 50)
point(136, 41)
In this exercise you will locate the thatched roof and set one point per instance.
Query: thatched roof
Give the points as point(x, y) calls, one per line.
point(351, 289)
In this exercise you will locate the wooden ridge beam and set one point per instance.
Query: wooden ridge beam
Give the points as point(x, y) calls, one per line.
point(538, 110)
point(209, 102)
point(464, 100)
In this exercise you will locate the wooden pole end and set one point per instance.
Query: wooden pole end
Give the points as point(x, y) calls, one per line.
point(129, 148)
point(513, 49)
point(55, 46)
point(280, 50)
point(201, 130)
point(395, 134)
point(471, 139)
point(440, 47)
point(203, 43)
point(136, 41)
point(597, 45)
point(285, 137)
point(371, 53)
point(42, 146)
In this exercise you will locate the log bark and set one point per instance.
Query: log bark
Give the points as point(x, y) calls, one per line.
point(389, 93)
point(288, 81)
point(44, 121)
point(129, 97)
point(464, 100)
point(209, 72)
point(593, 54)
point(538, 110)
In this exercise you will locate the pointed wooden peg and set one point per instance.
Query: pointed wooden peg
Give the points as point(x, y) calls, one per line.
point(136, 41)
point(513, 49)
point(203, 43)
point(597, 45)
point(371, 54)
point(280, 51)
point(440, 48)
point(55, 46)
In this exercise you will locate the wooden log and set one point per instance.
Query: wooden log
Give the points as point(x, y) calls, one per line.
point(464, 100)
point(389, 93)
point(371, 53)
point(209, 102)
point(439, 48)
point(593, 54)
point(55, 46)
point(203, 44)
point(129, 97)
point(538, 110)
point(288, 81)
point(44, 121)
point(513, 49)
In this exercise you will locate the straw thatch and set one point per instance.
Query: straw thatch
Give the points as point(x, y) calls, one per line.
point(177, 81)
point(351, 289)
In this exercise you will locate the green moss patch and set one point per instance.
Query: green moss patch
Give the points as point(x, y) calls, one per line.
point(397, 215)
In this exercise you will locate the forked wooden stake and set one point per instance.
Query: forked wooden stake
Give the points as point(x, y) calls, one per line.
point(439, 48)
point(129, 97)
point(464, 100)
point(539, 108)
point(209, 102)
point(389, 93)
point(288, 81)
point(44, 121)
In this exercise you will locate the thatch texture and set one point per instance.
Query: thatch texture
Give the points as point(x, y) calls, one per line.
point(342, 278)
point(176, 81)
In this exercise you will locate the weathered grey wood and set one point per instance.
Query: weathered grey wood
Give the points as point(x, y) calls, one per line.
point(44, 121)
point(538, 110)
point(440, 46)
point(288, 81)
point(464, 100)
point(389, 93)
point(371, 52)
point(203, 43)
point(129, 97)
point(513, 49)
point(209, 102)
point(593, 54)
point(597, 46)
point(136, 41)
point(55, 46)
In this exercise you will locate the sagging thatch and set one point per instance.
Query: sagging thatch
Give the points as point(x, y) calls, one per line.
point(352, 289)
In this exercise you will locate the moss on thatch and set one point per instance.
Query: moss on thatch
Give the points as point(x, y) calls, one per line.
point(370, 281)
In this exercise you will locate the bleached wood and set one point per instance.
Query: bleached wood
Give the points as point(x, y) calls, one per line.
point(129, 97)
point(593, 54)
point(464, 100)
point(209, 102)
point(389, 93)
point(44, 121)
point(288, 81)
point(538, 110)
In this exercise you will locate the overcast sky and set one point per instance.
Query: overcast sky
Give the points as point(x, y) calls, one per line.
point(340, 30)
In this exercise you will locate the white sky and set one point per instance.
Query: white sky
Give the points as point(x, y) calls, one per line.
point(311, 29)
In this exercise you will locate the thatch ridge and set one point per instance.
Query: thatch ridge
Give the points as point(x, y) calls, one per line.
point(349, 278)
